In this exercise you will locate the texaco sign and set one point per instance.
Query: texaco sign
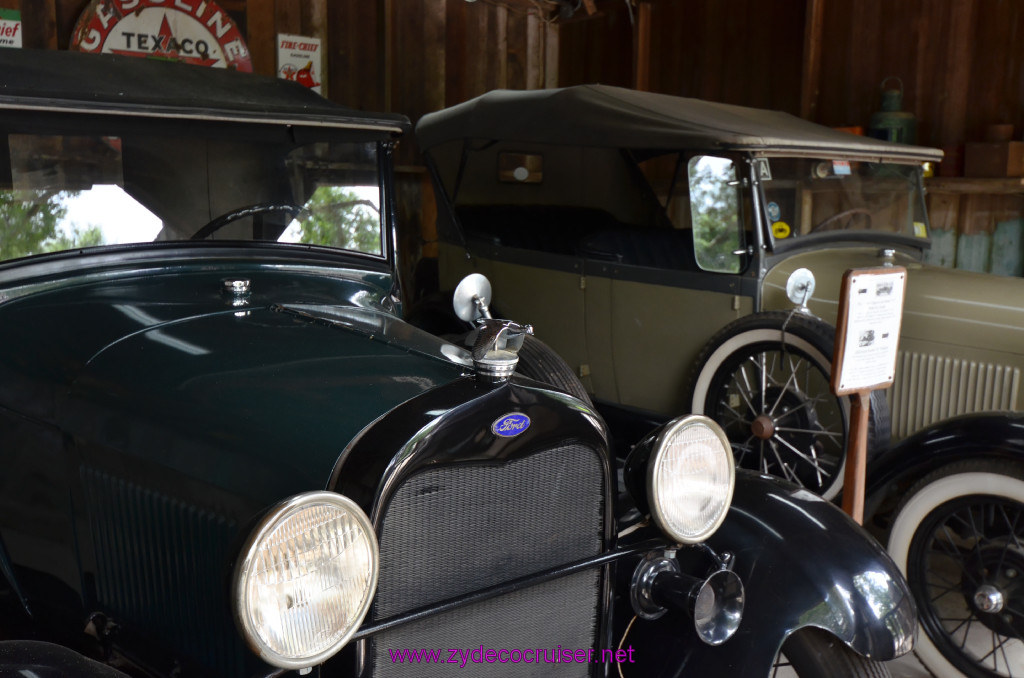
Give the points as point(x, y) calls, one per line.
point(194, 31)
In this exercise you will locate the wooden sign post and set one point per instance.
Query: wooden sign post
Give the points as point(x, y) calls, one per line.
point(867, 337)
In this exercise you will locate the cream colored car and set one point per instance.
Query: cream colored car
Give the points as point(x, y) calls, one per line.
point(650, 240)
point(657, 244)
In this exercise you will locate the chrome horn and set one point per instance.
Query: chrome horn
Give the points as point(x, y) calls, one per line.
point(715, 603)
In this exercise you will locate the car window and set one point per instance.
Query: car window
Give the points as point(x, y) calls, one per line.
point(715, 213)
point(805, 196)
point(66, 192)
point(346, 216)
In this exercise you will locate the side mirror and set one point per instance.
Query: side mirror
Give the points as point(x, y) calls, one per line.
point(472, 297)
point(800, 287)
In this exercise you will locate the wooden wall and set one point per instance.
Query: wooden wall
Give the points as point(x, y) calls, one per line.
point(960, 63)
point(960, 60)
point(409, 56)
point(745, 52)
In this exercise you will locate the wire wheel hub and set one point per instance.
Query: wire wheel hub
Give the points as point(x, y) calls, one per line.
point(763, 427)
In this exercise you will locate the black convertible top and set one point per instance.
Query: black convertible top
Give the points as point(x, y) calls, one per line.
point(604, 116)
point(118, 85)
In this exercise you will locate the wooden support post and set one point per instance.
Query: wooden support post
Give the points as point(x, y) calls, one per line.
point(810, 79)
point(854, 482)
point(642, 47)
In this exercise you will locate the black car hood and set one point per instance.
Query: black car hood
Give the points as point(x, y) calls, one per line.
point(166, 370)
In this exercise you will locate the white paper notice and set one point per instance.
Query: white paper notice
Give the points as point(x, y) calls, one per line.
point(872, 331)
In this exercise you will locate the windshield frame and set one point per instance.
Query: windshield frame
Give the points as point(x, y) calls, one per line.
point(31, 121)
point(775, 245)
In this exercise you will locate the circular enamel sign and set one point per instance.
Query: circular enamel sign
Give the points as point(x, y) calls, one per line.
point(194, 31)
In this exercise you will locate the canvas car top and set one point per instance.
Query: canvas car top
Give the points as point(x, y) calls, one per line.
point(601, 115)
point(118, 85)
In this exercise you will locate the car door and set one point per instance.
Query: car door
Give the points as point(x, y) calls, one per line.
point(667, 289)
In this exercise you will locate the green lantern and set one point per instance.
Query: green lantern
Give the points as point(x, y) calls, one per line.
point(891, 123)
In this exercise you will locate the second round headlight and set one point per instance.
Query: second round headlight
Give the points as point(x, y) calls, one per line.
point(690, 479)
point(306, 579)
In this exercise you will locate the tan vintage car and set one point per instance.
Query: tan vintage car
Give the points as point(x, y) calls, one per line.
point(660, 244)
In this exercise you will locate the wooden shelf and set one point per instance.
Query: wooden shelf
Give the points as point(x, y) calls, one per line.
point(974, 185)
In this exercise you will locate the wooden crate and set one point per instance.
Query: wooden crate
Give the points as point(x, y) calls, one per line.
point(994, 159)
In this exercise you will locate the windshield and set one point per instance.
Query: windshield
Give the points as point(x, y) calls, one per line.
point(803, 197)
point(66, 192)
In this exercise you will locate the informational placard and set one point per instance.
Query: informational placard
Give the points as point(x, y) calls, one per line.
point(299, 58)
point(868, 330)
point(10, 28)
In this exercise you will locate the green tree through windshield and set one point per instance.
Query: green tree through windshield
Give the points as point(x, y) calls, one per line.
point(339, 217)
point(30, 224)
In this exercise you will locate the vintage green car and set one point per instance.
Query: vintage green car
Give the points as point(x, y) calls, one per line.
point(224, 453)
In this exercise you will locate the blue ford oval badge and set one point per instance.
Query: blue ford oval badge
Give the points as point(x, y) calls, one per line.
point(510, 425)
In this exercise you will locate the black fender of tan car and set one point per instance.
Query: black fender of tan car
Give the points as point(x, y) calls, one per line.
point(992, 435)
point(803, 564)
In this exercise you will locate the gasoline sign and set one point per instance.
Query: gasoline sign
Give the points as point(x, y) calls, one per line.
point(194, 31)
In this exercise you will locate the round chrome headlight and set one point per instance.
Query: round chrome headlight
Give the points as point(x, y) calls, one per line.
point(306, 579)
point(690, 479)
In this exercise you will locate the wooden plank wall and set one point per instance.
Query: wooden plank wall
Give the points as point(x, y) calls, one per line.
point(410, 56)
point(744, 52)
point(960, 63)
point(959, 60)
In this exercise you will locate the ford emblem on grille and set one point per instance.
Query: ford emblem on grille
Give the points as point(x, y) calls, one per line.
point(510, 425)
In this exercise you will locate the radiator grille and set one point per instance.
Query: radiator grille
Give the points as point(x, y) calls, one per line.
point(453, 530)
point(160, 568)
point(929, 388)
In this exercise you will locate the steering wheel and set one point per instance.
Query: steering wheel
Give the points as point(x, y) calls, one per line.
point(841, 215)
point(255, 211)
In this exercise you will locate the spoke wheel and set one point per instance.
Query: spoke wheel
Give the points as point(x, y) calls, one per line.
point(813, 653)
point(776, 409)
point(960, 539)
point(770, 392)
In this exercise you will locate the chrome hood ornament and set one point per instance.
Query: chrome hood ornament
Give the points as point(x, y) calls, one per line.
point(495, 342)
point(496, 349)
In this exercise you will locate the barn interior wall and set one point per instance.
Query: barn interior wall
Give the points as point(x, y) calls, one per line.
point(958, 61)
point(822, 59)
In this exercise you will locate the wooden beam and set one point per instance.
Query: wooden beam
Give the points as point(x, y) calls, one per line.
point(952, 112)
point(810, 80)
point(642, 47)
point(551, 55)
point(259, 23)
point(981, 186)
point(386, 28)
point(39, 24)
point(534, 52)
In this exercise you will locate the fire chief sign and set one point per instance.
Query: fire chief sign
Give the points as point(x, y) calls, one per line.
point(194, 31)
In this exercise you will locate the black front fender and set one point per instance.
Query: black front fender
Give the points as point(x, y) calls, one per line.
point(803, 564)
point(993, 435)
point(20, 658)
